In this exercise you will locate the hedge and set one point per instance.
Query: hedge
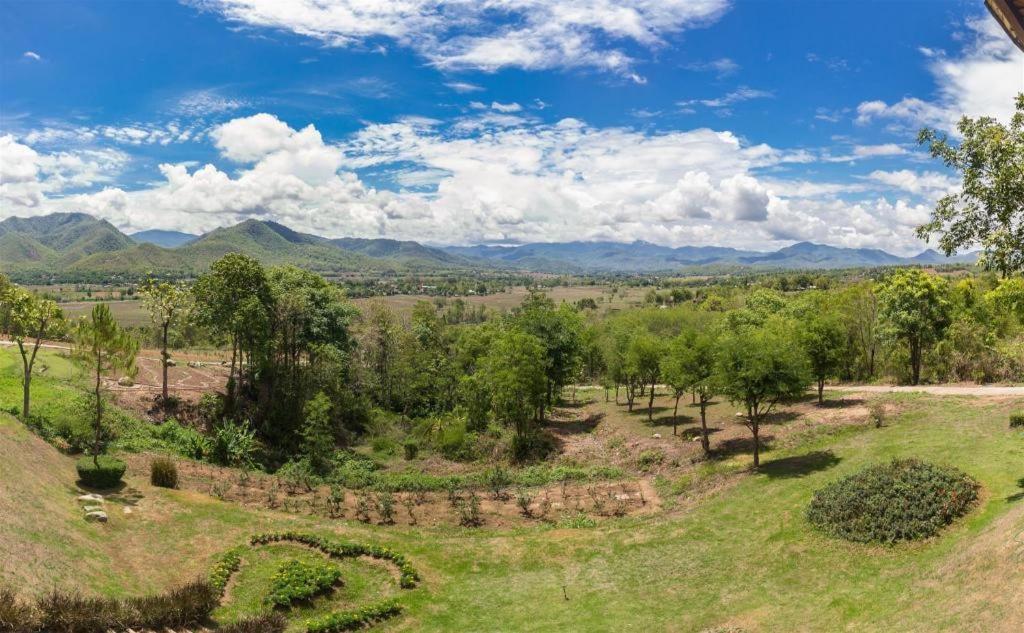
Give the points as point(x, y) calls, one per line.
point(100, 472)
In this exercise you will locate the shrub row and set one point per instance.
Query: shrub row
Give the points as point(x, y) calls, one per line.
point(904, 499)
point(63, 612)
point(408, 577)
point(224, 567)
point(268, 623)
point(297, 580)
point(352, 620)
point(100, 472)
point(362, 474)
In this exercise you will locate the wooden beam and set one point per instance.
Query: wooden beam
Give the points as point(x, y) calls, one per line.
point(1010, 15)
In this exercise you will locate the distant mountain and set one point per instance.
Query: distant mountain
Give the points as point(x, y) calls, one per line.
point(76, 245)
point(167, 239)
point(639, 257)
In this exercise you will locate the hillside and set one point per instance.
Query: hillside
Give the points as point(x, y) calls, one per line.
point(167, 239)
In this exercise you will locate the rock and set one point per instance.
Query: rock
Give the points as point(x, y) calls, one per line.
point(125, 381)
point(90, 509)
point(99, 516)
point(127, 510)
point(171, 363)
point(194, 364)
point(657, 436)
point(91, 498)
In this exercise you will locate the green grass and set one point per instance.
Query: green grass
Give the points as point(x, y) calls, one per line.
point(744, 556)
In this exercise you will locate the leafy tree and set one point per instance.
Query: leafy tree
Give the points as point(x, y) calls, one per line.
point(6, 302)
point(31, 319)
point(234, 300)
point(824, 340)
point(643, 362)
point(168, 305)
point(689, 365)
point(102, 347)
point(380, 347)
point(515, 374)
point(559, 331)
point(318, 433)
point(988, 210)
point(760, 367)
point(859, 307)
point(914, 308)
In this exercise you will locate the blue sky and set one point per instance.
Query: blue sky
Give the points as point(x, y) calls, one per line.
point(751, 124)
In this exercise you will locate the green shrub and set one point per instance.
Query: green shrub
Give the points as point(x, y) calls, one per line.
point(233, 444)
point(268, 623)
point(185, 606)
point(384, 445)
point(184, 440)
point(102, 472)
point(577, 521)
point(298, 474)
point(412, 448)
point(224, 567)
point(298, 581)
point(649, 459)
point(408, 577)
point(76, 432)
point(163, 473)
point(1016, 420)
point(905, 499)
point(353, 620)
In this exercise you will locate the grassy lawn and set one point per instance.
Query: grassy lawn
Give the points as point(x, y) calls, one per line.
point(743, 557)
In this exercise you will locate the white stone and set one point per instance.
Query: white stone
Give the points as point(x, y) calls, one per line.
point(125, 381)
point(91, 498)
point(89, 509)
point(657, 436)
point(97, 516)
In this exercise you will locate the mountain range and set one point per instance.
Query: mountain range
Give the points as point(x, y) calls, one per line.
point(77, 245)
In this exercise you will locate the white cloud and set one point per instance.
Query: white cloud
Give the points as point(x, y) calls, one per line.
point(886, 149)
point(722, 66)
point(32, 55)
point(743, 93)
point(206, 102)
point(930, 184)
point(463, 87)
point(129, 134)
point(467, 34)
point(506, 107)
point(517, 182)
point(981, 81)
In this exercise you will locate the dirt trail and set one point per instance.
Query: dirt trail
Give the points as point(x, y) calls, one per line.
point(937, 390)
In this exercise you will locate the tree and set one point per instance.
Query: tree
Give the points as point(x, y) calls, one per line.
point(31, 320)
point(559, 331)
point(515, 375)
point(689, 365)
point(914, 308)
point(988, 210)
point(643, 362)
point(233, 299)
point(318, 433)
point(168, 305)
point(102, 347)
point(759, 367)
point(823, 338)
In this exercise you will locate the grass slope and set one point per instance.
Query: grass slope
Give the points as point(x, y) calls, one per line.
point(744, 557)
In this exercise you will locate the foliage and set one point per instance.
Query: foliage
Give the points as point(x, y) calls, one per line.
point(28, 320)
point(1016, 420)
point(169, 305)
point(163, 473)
point(15, 616)
point(914, 308)
point(296, 580)
point(318, 433)
point(266, 623)
point(410, 449)
point(233, 444)
point(353, 620)
point(100, 471)
point(905, 499)
point(988, 210)
point(224, 567)
point(515, 376)
point(760, 367)
point(823, 338)
point(102, 346)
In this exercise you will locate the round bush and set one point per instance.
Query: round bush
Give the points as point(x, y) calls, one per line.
point(105, 472)
point(1016, 420)
point(903, 500)
point(163, 473)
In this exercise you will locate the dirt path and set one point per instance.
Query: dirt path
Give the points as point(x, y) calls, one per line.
point(936, 390)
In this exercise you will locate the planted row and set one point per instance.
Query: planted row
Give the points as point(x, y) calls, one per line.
point(296, 581)
point(352, 620)
point(408, 577)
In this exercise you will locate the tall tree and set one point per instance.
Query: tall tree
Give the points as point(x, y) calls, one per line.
point(169, 305)
point(823, 338)
point(31, 320)
point(988, 210)
point(318, 435)
point(914, 308)
point(515, 376)
point(233, 299)
point(643, 361)
point(559, 331)
point(689, 365)
point(760, 367)
point(102, 347)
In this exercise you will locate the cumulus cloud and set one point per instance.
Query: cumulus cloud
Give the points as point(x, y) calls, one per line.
point(522, 182)
point(982, 80)
point(34, 56)
point(467, 34)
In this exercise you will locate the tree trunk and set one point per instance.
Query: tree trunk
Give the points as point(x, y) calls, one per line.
point(755, 429)
point(26, 398)
point(165, 358)
point(915, 362)
point(704, 443)
point(616, 393)
point(821, 391)
point(99, 418)
point(650, 405)
point(675, 415)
